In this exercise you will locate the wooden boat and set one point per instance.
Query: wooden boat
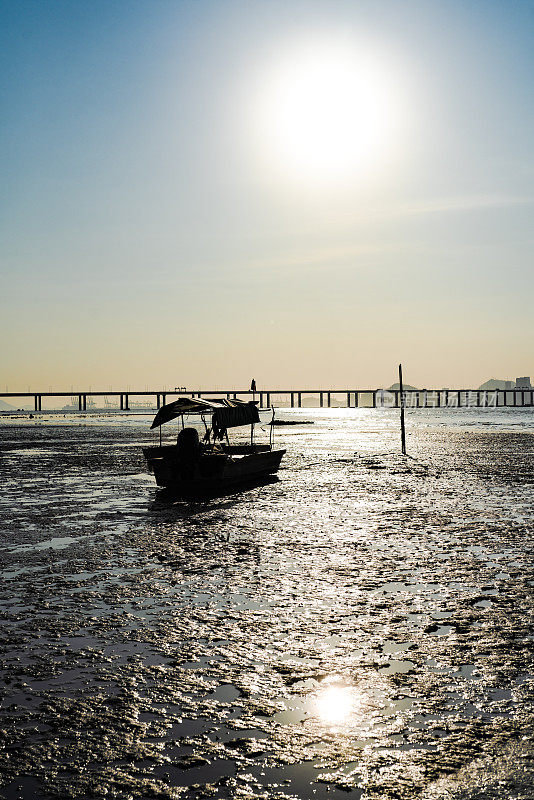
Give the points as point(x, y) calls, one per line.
point(213, 465)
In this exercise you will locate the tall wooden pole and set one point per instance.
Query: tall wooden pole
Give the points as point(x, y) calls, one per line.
point(403, 432)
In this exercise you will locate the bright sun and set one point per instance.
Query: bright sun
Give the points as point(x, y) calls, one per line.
point(328, 111)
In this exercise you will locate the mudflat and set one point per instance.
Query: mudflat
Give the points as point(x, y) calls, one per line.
point(358, 628)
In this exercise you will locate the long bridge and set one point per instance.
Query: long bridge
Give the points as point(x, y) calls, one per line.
point(352, 398)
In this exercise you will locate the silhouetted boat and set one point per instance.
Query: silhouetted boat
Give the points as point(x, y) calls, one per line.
point(212, 465)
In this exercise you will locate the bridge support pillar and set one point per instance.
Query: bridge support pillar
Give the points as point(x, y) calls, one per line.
point(163, 399)
point(292, 399)
point(320, 399)
point(374, 399)
point(158, 401)
point(328, 400)
point(299, 399)
point(268, 400)
point(126, 406)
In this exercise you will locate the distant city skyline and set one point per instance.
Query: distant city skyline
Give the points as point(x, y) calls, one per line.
point(308, 193)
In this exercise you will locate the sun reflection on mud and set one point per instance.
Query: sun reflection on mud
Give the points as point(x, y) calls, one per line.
point(337, 704)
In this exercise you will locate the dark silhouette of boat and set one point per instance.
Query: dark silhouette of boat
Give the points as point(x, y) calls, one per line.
point(211, 465)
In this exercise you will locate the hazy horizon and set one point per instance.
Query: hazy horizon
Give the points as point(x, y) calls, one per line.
point(303, 192)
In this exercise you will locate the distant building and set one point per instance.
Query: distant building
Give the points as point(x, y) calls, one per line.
point(519, 383)
point(523, 383)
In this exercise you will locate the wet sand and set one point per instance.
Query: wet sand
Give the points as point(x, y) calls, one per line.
point(359, 628)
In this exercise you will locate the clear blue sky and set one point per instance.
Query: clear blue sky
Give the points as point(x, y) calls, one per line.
point(177, 208)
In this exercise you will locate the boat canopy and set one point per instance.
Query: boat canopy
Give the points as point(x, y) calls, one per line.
point(227, 413)
point(234, 416)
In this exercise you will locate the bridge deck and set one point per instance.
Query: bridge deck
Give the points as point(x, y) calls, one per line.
point(352, 398)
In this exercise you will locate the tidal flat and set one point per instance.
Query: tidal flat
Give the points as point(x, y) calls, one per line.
point(360, 627)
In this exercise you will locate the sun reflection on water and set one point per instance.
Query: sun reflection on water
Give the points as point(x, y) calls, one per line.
point(337, 704)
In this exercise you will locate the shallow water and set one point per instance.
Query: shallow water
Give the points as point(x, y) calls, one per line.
point(361, 627)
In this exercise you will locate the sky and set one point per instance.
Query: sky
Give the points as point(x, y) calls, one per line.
point(198, 193)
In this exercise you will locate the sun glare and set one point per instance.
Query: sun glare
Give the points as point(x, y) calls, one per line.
point(328, 111)
point(334, 704)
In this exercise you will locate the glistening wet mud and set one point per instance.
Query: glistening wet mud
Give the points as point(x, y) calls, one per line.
point(359, 628)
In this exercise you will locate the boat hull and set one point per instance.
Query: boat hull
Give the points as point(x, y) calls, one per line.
point(211, 473)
